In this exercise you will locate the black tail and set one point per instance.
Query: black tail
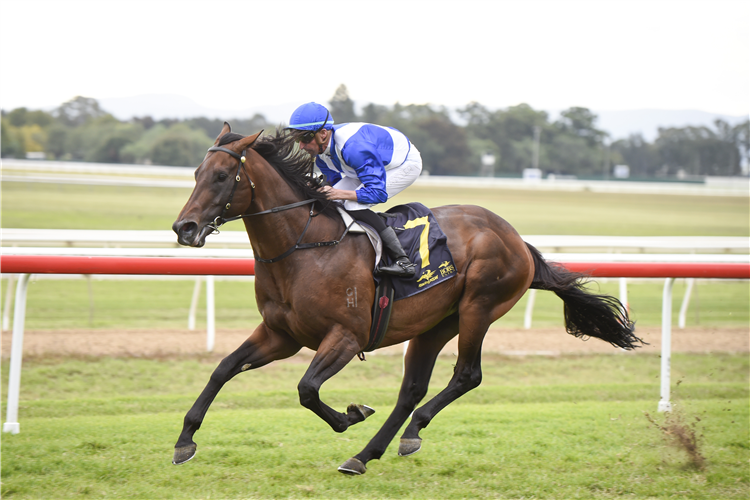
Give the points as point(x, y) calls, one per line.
point(586, 314)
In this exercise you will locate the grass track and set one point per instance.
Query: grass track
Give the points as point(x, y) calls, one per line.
point(570, 427)
point(553, 450)
point(61, 206)
point(567, 427)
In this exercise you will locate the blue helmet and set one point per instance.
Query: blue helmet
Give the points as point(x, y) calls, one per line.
point(311, 116)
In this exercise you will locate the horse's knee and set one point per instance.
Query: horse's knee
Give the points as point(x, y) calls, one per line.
point(308, 394)
point(223, 372)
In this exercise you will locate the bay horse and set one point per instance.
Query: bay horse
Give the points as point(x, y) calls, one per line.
point(302, 289)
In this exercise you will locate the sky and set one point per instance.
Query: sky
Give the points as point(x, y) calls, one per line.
point(603, 55)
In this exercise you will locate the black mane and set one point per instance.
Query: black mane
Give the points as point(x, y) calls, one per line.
point(229, 137)
point(294, 165)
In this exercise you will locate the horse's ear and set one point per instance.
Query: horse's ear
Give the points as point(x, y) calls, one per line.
point(247, 141)
point(224, 130)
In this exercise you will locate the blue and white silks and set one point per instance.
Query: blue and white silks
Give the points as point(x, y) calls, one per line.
point(364, 152)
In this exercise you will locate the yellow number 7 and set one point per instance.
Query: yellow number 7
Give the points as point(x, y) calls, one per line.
point(424, 248)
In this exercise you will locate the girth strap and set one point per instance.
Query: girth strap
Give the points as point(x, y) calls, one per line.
point(381, 315)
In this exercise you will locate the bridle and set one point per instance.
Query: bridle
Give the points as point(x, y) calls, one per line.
point(220, 220)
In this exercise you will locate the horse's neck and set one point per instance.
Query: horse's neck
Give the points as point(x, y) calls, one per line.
point(273, 234)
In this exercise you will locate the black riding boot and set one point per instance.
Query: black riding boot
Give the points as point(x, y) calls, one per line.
point(403, 267)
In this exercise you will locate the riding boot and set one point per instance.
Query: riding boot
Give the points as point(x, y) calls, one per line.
point(403, 267)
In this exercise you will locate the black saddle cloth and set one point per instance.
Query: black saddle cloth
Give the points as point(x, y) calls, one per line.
point(425, 244)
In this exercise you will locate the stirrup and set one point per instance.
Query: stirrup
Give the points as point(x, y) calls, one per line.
point(402, 268)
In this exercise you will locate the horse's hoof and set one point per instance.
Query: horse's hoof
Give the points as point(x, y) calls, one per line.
point(358, 413)
point(184, 453)
point(353, 467)
point(409, 446)
point(364, 410)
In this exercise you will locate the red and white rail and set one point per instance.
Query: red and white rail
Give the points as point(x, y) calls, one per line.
point(76, 264)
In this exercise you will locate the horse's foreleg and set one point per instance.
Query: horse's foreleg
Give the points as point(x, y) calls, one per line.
point(418, 365)
point(336, 350)
point(263, 347)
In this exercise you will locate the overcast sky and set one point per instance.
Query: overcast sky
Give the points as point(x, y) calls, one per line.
point(604, 55)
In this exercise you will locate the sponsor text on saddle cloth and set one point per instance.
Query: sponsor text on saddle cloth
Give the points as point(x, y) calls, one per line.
point(426, 245)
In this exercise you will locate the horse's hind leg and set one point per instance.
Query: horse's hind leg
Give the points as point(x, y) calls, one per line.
point(475, 317)
point(263, 347)
point(418, 364)
point(467, 375)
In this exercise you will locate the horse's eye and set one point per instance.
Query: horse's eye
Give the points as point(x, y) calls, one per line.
point(222, 176)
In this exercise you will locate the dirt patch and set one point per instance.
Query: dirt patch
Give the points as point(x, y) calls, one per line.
point(175, 342)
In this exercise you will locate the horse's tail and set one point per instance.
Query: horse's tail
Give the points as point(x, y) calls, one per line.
point(586, 314)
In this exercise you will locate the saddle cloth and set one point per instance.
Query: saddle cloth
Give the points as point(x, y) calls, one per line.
point(424, 242)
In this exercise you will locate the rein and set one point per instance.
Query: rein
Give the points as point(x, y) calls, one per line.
point(220, 220)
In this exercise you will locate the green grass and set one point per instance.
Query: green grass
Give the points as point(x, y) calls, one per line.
point(60, 206)
point(55, 304)
point(568, 427)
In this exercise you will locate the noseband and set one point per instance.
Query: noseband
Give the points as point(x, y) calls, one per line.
point(220, 220)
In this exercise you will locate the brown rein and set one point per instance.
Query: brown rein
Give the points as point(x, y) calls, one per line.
point(220, 220)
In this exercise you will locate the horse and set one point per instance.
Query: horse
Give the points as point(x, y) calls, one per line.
point(303, 289)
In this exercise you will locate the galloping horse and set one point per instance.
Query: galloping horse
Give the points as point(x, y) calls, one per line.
point(302, 289)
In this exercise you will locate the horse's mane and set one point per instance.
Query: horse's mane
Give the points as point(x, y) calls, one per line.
point(293, 165)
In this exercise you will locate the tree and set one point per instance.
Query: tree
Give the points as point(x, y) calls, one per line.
point(699, 150)
point(638, 154)
point(582, 123)
point(180, 146)
point(11, 141)
point(78, 111)
point(341, 106)
point(742, 135)
point(57, 138)
point(374, 113)
point(443, 146)
point(512, 132)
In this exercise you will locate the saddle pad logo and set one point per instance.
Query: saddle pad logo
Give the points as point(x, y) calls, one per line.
point(447, 268)
point(427, 278)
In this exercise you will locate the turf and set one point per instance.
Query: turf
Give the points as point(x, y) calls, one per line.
point(569, 427)
point(60, 206)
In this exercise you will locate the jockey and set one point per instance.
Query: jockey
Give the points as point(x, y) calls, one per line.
point(364, 164)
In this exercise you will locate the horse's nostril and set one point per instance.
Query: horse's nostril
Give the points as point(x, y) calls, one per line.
point(188, 228)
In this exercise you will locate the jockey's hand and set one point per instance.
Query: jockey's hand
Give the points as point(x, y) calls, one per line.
point(318, 181)
point(338, 194)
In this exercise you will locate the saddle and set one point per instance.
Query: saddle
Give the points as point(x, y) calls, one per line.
point(427, 246)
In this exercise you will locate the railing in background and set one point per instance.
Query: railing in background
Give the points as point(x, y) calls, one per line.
point(27, 264)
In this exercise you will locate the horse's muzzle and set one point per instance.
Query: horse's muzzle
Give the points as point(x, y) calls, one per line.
point(188, 233)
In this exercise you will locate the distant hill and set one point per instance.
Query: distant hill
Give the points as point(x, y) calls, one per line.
point(620, 124)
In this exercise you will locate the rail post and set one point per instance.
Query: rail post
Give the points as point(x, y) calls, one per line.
point(666, 344)
point(16, 355)
point(6, 308)
point(210, 314)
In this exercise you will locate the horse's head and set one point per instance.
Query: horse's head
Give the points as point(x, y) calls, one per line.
point(221, 189)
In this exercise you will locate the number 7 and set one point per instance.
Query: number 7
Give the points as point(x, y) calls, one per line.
point(424, 248)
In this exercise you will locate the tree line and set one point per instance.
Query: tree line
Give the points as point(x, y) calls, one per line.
point(516, 138)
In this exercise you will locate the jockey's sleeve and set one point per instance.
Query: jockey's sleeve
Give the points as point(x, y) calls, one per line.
point(331, 175)
point(365, 160)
